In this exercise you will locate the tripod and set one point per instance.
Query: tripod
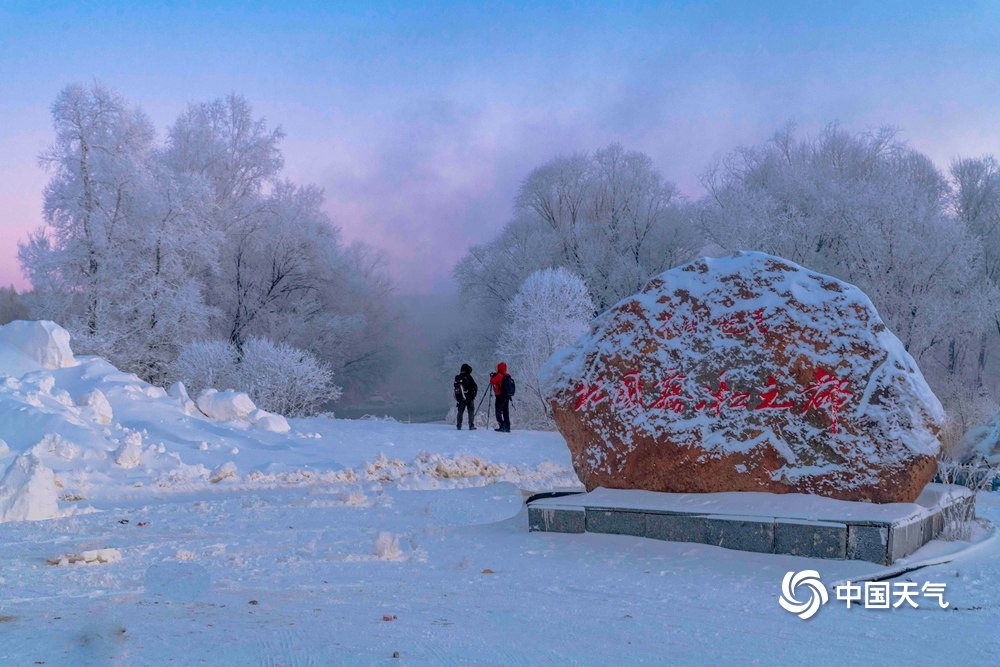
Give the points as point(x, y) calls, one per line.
point(475, 418)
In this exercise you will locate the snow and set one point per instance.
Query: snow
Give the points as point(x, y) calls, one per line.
point(753, 504)
point(27, 346)
point(28, 491)
point(982, 441)
point(351, 542)
point(225, 405)
point(269, 421)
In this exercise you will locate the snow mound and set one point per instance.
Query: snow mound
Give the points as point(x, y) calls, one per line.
point(89, 431)
point(387, 547)
point(28, 491)
point(269, 421)
point(32, 346)
point(96, 407)
point(179, 391)
point(129, 454)
point(225, 405)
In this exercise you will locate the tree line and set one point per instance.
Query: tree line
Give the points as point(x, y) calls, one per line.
point(191, 258)
point(863, 207)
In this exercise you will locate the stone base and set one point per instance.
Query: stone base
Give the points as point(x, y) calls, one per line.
point(793, 524)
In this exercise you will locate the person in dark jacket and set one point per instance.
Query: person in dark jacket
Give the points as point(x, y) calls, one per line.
point(465, 395)
point(502, 399)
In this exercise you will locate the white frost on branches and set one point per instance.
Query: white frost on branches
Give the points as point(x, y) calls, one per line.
point(147, 248)
point(550, 311)
point(278, 377)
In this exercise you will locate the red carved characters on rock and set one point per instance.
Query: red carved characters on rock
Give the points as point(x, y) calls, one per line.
point(670, 393)
point(629, 391)
point(768, 399)
point(828, 393)
point(590, 395)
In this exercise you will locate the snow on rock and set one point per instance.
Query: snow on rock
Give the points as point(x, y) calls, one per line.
point(746, 373)
point(225, 405)
point(96, 407)
point(31, 346)
point(4, 447)
point(269, 421)
point(28, 491)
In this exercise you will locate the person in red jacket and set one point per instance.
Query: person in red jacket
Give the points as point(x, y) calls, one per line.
point(502, 398)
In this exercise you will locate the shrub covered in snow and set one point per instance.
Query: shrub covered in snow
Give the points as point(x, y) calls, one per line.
point(207, 363)
point(278, 378)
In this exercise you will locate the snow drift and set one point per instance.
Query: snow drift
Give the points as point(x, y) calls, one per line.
point(78, 434)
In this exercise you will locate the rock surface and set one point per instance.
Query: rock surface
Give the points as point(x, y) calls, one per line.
point(746, 373)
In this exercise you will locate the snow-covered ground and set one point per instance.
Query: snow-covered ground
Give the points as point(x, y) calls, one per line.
point(175, 539)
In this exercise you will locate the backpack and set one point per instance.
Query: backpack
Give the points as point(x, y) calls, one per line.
point(463, 391)
point(507, 386)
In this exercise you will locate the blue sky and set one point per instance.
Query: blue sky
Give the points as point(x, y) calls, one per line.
point(420, 119)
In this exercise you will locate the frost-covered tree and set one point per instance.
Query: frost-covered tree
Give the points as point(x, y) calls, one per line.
point(147, 248)
point(615, 221)
point(106, 262)
point(283, 272)
point(228, 161)
point(550, 311)
point(976, 202)
point(609, 217)
point(871, 211)
point(89, 205)
point(233, 154)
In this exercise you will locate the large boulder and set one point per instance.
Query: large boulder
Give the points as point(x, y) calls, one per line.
point(746, 373)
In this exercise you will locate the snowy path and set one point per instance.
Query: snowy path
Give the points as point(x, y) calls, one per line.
point(293, 577)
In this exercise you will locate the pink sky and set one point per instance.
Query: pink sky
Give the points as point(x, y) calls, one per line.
point(420, 123)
